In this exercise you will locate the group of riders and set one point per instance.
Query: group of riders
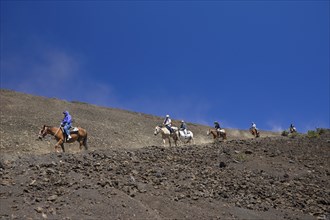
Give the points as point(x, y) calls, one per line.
point(67, 121)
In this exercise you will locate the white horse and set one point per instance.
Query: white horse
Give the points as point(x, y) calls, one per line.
point(186, 138)
point(166, 134)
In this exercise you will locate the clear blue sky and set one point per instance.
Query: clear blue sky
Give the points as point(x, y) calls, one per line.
point(201, 61)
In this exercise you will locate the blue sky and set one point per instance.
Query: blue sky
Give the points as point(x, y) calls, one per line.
point(201, 61)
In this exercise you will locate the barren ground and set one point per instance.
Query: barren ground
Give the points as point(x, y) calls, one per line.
point(128, 174)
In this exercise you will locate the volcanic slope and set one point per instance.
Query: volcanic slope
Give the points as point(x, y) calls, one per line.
point(23, 115)
point(272, 177)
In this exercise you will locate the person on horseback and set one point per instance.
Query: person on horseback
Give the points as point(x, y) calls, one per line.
point(66, 123)
point(254, 126)
point(183, 127)
point(168, 123)
point(292, 128)
point(217, 128)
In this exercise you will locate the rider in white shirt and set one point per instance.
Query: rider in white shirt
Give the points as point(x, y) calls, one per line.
point(168, 123)
point(254, 126)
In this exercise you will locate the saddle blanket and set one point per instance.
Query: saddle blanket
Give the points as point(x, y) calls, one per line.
point(222, 130)
point(73, 129)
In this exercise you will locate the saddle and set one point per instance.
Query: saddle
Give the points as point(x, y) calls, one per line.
point(169, 129)
point(71, 130)
point(221, 130)
point(185, 135)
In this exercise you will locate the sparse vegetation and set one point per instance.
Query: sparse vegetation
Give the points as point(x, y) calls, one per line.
point(313, 134)
point(320, 131)
point(293, 135)
point(285, 133)
point(241, 157)
point(316, 133)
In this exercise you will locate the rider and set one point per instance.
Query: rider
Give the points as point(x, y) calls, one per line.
point(66, 123)
point(217, 127)
point(168, 123)
point(254, 126)
point(292, 128)
point(183, 127)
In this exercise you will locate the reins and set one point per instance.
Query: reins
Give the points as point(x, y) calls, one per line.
point(57, 131)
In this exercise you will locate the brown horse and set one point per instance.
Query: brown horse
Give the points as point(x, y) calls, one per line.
point(80, 136)
point(255, 132)
point(216, 135)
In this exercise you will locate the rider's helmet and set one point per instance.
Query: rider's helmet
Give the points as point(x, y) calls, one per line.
point(215, 122)
point(65, 112)
point(182, 121)
point(167, 116)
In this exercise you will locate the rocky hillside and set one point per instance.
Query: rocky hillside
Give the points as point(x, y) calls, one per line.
point(127, 174)
point(23, 115)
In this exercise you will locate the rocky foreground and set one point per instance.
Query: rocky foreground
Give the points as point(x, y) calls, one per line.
point(268, 178)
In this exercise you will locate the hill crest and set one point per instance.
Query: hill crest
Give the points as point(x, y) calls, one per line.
point(22, 116)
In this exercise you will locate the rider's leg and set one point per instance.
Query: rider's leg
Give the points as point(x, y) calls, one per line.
point(66, 128)
point(218, 132)
point(170, 129)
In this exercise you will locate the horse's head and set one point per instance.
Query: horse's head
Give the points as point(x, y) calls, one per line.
point(157, 130)
point(43, 132)
point(208, 132)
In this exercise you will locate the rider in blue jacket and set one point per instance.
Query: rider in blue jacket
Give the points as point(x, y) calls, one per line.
point(66, 123)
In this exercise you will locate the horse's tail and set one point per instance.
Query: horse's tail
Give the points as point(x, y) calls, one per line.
point(85, 142)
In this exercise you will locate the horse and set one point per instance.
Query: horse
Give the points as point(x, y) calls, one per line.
point(186, 138)
point(79, 135)
point(166, 134)
point(293, 130)
point(255, 132)
point(216, 135)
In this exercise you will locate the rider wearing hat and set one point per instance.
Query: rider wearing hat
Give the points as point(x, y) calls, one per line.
point(183, 127)
point(217, 127)
point(168, 123)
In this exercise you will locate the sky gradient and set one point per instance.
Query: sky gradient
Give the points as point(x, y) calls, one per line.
point(201, 61)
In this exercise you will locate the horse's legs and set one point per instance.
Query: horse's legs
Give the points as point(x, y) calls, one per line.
point(164, 141)
point(85, 143)
point(59, 144)
point(80, 144)
point(62, 146)
point(169, 141)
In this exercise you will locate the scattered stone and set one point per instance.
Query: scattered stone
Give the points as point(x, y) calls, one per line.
point(248, 151)
point(52, 198)
point(222, 165)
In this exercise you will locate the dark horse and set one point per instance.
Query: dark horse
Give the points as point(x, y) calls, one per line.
point(80, 136)
point(255, 132)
